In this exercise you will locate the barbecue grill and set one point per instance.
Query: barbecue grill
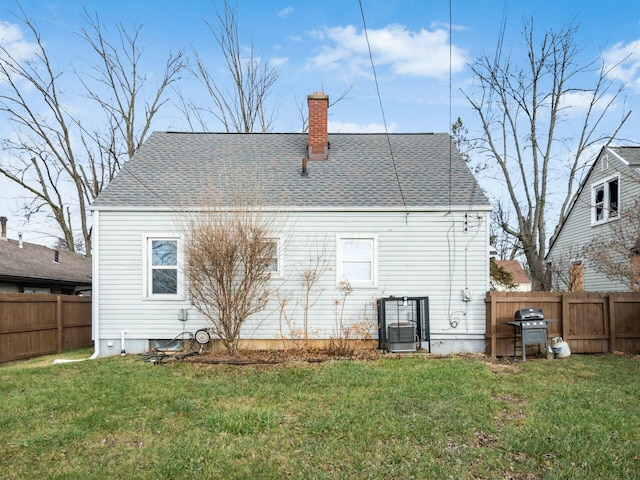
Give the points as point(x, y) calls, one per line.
point(532, 329)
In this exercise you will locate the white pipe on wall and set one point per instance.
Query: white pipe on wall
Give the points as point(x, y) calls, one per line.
point(122, 350)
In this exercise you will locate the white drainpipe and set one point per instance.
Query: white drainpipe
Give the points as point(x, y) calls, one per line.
point(122, 351)
point(94, 300)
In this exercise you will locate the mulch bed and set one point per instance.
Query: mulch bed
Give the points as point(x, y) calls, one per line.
point(271, 357)
point(309, 355)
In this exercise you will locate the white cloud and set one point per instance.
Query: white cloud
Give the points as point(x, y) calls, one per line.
point(285, 11)
point(417, 54)
point(278, 61)
point(582, 100)
point(13, 41)
point(347, 127)
point(445, 26)
point(623, 63)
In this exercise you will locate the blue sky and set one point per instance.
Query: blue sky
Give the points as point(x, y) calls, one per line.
point(319, 45)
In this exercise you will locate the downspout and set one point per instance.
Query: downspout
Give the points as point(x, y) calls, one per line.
point(122, 349)
point(95, 295)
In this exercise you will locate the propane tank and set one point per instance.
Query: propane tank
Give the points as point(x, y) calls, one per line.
point(560, 347)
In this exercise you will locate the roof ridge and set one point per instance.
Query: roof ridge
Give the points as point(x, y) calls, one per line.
point(178, 132)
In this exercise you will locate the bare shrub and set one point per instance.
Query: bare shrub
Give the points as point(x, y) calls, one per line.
point(617, 255)
point(348, 335)
point(229, 257)
point(316, 267)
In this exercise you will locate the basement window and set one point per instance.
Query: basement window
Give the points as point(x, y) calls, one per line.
point(174, 345)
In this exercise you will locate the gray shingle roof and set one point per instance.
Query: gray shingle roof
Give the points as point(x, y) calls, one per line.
point(630, 154)
point(180, 169)
point(36, 262)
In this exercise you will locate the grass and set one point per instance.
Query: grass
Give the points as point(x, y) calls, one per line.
point(458, 418)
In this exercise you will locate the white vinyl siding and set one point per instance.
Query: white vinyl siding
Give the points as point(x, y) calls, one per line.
point(424, 254)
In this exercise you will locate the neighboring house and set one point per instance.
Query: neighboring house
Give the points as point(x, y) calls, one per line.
point(611, 187)
point(398, 215)
point(520, 279)
point(30, 268)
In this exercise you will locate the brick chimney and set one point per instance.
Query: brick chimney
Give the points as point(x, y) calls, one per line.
point(318, 104)
point(3, 226)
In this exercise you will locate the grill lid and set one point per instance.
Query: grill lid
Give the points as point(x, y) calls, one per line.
point(529, 314)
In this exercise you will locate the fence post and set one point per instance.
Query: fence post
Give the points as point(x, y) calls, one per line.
point(612, 323)
point(565, 320)
point(59, 320)
point(494, 340)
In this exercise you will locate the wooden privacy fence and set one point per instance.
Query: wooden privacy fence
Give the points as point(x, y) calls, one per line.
point(589, 322)
point(32, 325)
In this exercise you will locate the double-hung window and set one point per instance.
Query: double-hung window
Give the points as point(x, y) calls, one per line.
point(162, 268)
point(605, 200)
point(275, 263)
point(356, 256)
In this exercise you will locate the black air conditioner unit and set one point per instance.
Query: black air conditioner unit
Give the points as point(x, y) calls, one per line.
point(401, 337)
point(403, 324)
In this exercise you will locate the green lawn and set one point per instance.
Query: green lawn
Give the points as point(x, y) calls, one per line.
point(120, 418)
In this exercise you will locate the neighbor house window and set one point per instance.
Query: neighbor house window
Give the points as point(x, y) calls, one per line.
point(162, 273)
point(36, 290)
point(357, 259)
point(606, 200)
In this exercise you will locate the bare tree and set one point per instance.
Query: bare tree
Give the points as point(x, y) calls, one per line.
point(245, 105)
point(507, 246)
point(521, 109)
point(228, 257)
point(62, 160)
point(617, 255)
point(118, 70)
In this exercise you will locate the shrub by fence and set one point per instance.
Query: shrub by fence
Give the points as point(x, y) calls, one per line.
point(589, 322)
point(33, 325)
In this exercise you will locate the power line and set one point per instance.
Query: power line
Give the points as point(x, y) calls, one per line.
point(384, 119)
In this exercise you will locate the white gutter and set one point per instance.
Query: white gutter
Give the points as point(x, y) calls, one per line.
point(95, 296)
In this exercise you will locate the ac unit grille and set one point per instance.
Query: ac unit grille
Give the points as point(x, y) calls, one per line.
point(402, 338)
point(402, 333)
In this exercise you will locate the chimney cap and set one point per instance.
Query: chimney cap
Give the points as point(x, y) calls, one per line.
point(318, 96)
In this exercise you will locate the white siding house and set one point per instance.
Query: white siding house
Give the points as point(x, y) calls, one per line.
point(608, 191)
point(405, 208)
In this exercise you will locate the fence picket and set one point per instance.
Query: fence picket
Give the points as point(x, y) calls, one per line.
point(592, 322)
point(33, 325)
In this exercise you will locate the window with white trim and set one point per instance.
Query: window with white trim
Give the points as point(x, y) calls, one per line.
point(605, 200)
point(356, 258)
point(162, 272)
point(275, 264)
